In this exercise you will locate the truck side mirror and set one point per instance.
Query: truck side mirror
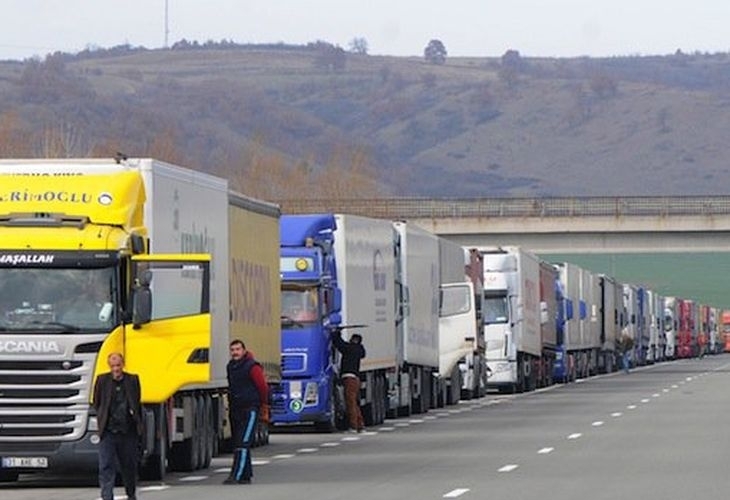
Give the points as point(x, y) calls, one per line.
point(141, 306)
point(337, 300)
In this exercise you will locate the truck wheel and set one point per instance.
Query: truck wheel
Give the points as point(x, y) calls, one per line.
point(156, 465)
point(184, 455)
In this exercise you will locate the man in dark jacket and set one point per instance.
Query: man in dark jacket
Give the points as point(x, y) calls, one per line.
point(248, 399)
point(117, 398)
point(352, 352)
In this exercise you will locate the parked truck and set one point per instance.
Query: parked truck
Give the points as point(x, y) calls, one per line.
point(337, 274)
point(178, 279)
point(611, 313)
point(457, 321)
point(417, 327)
point(474, 365)
point(568, 361)
point(512, 314)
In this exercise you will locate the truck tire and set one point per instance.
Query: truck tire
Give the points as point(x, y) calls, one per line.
point(155, 467)
point(184, 455)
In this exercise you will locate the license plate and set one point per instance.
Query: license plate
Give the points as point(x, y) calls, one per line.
point(25, 462)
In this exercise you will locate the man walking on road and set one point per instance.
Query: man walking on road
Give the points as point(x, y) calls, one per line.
point(117, 398)
point(248, 400)
point(625, 346)
point(352, 352)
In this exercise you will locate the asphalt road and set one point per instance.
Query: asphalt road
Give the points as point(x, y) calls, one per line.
point(656, 433)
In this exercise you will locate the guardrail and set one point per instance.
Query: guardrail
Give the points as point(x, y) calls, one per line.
point(429, 208)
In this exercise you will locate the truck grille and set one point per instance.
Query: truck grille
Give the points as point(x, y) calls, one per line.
point(43, 400)
point(293, 363)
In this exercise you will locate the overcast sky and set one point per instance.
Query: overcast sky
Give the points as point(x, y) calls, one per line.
point(559, 28)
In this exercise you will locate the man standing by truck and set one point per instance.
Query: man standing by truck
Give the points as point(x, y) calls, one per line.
point(117, 403)
point(248, 400)
point(352, 352)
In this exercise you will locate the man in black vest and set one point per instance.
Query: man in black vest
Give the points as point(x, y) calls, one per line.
point(117, 398)
point(248, 398)
point(352, 352)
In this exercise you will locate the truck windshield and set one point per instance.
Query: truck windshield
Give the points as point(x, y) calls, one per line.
point(68, 300)
point(495, 309)
point(300, 305)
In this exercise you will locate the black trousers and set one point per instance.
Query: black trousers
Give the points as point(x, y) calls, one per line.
point(243, 427)
point(118, 449)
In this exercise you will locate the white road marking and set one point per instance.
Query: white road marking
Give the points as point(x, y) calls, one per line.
point(456, 493)
point(351, 438)
point(284, 455)
point(386, 429)
point(545, 451)
point(455, 411)
point(575, 435)
point(655, 395)
point(307, 450)
point(260, 462)
point(675, 386)
point(194, 478)
point(329, 445)
point(430, 417)
point(416, 421)
point(631, 407)
point(222, 470)
point(645, 400)
point(597, 423)
point(159, 487)
point(508, 468)
point(665, 390)
point(616, 414)
point(402, 424)
point(688, 379)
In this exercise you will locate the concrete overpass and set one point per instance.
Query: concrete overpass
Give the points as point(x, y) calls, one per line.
point(557, 225)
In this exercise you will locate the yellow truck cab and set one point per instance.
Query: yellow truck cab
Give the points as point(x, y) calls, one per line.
point(98, 257)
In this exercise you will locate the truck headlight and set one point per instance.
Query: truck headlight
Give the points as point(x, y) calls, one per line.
point(312, 394)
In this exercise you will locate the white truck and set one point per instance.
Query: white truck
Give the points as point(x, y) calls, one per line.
point(590, 293)
point(571, 346)
point(417, 275)
point(512, 317)
point(612, 314)
point(122, 222)
point(457, 321)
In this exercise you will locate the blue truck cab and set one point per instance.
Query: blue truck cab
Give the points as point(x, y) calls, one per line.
point(311, 302)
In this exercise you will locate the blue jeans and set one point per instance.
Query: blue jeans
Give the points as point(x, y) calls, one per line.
point(625, 361)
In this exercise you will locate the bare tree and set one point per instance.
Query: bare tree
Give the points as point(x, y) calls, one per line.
point(359, 45)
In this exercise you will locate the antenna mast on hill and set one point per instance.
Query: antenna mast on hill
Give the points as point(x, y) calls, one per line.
point(167, 24)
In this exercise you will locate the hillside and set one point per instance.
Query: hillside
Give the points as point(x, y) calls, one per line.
point(280, 119)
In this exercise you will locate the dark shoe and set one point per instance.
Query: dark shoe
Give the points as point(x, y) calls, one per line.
point(244, 481)
point(229, 480)
point(232, 480)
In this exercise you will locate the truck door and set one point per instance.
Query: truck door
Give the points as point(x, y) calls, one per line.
point(168, 341)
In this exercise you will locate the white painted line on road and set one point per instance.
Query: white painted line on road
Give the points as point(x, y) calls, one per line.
point(222, 470)
point(307, 450)
point(575, 435)
point(351, 438)
point(665, 390)
point(545, 451)
point(631, 407)
point(616, 414)
point(402, 424)
point(688, 379)
point(386, 429)
point(158, 487)
point(193, 478)
point(456, 493)
point(675, 386)
point(260, 461)
point(455, 411)
point(416, 421)
point(508, 468)
point(284, 455)
point(645, 400)
point(580, 380)
point(369, 433)
point(441, 414)
point(430, 417)
point(655, 395)
point(329, 445)
point(597, 423)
